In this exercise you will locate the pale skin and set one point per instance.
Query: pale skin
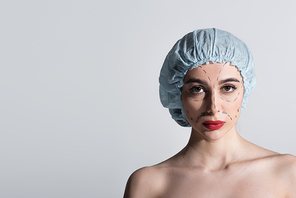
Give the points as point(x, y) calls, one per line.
point(216, 163)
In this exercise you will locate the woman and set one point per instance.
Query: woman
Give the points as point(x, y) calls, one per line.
point(205, 81)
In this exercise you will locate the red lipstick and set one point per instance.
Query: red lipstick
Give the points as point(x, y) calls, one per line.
point(213, 125)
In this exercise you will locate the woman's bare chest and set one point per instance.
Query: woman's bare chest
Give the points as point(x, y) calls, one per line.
point(231, 183)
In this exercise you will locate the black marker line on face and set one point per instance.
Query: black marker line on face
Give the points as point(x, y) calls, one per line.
point(221, 71)
point(192, 98)
point(219, 74)
point(195, 100)
point(206, 73)
point(227, 114)
point(236, 97)
point(237, 112)
point(198, 100)
point(201, 115)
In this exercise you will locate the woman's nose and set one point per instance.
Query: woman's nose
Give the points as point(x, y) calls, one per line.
point(213, 106)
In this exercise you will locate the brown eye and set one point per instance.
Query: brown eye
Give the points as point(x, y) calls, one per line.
point(229, 88)
point(196, 89)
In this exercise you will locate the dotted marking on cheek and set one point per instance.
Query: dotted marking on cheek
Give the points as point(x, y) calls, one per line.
point(236, 97)
point(227, 114)
point(233, 100)
point(201, 115)
point(198, 100)
point(191, 118)
point(214, 101)
point(195, 99)
point(237, 112)
point(187, 111)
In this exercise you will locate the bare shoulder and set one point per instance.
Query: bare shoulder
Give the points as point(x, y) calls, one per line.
point(286, 160)
point(145, 182)
point(280, 164)
point(284, 164)
point(284, 169)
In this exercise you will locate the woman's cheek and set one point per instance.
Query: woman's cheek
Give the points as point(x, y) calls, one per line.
point(234, 108)
point(191, 108)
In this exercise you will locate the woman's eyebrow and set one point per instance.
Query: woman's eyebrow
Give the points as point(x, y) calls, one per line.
point(228, 80)
point(197, 81)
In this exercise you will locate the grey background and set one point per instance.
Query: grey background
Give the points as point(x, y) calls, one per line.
point(79, 88)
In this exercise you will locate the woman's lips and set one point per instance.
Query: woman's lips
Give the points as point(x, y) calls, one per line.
point(213, 125)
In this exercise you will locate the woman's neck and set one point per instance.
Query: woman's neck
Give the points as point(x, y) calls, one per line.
point(214, 154)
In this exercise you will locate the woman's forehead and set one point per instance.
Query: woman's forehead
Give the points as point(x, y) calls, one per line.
point(214, 71)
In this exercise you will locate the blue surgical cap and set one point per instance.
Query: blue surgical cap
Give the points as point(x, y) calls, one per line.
point(194, 49)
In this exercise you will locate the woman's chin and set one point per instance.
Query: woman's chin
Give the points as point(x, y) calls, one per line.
point(213, 135)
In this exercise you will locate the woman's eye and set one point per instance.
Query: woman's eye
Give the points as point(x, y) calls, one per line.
point(196, 90)
point(228, 88)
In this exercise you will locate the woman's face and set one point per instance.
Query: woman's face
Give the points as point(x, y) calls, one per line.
point(212, 96)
